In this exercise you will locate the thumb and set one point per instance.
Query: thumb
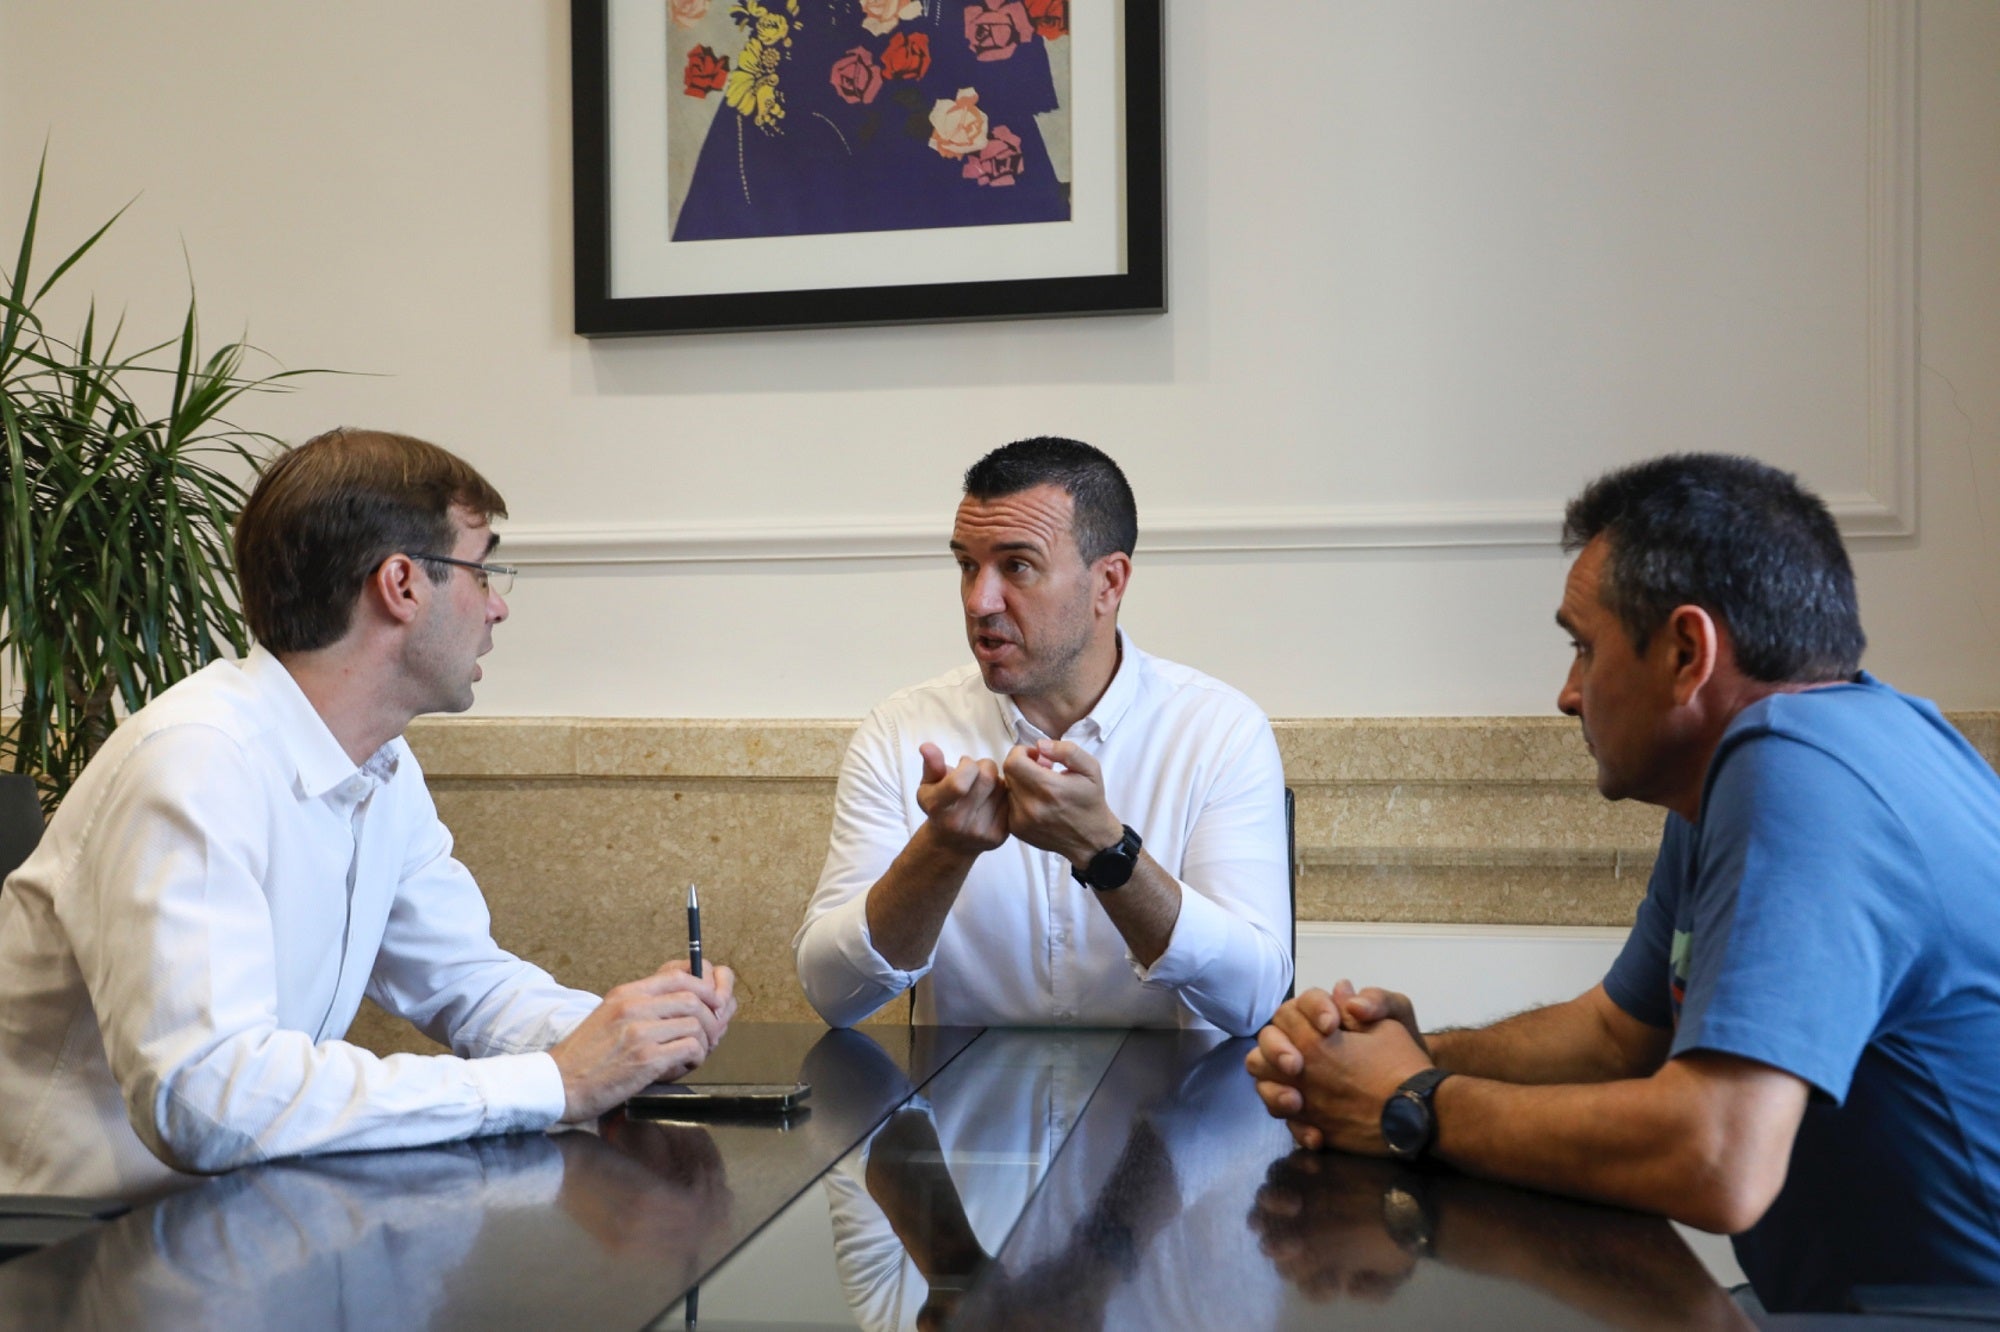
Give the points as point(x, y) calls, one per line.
point(934, 768)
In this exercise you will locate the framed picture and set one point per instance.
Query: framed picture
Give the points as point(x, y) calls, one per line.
point(749, 164)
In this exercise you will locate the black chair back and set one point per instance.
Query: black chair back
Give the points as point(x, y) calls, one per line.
point(1292, 872)
point(20, 820)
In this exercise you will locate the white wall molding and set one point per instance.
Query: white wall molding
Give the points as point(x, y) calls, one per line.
point(1887, 508)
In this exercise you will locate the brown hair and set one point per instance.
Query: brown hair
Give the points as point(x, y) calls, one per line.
point(324, 515)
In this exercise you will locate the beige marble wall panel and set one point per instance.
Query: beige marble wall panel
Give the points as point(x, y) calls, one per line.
point(584, 834)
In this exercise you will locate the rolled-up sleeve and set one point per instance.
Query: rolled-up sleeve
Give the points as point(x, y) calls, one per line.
point(844, 978)
point(1230, 956)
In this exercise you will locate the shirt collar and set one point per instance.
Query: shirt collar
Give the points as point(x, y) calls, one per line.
point(322, 765)
point(1101, 720)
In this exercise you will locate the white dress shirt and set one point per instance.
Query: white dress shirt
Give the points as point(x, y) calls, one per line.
point(1189, 763)
point(182, 954)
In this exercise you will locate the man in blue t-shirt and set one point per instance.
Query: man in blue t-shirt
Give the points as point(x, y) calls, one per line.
point(1798, 1043)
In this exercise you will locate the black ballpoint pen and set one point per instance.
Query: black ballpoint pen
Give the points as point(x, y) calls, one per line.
point(694, 933)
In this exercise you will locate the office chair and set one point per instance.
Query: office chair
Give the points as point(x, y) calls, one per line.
point(1292, 873)
point(20, 820)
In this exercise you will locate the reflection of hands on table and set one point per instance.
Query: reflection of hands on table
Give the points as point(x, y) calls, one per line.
point(643, 1188)
point(1320, 1222)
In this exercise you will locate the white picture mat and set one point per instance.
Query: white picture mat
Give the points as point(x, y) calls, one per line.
point(645, 263)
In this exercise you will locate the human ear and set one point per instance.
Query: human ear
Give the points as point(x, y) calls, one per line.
point(392, 588)
point(1695, 643)
point(1114, 574)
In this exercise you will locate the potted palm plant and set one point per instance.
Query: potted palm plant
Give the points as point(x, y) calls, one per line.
point(120, 479)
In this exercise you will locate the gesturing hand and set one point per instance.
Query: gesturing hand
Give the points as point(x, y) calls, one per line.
point(1059, 809)
point(650, 1030)
point(966, 805)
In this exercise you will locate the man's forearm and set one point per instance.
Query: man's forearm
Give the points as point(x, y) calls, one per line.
point(1704, 1145)
point(1577, 1041)
point(1145, 909)
point(908, 904)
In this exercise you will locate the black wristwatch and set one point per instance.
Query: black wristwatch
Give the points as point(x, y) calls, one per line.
point(1409, 1125)
point(1111, 867)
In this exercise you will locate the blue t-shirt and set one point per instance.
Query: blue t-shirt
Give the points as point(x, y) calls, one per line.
point(1836, 914)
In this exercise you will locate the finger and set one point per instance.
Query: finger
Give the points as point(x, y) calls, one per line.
point(1301, 1030)
point(1072, 756)
point(669, 979)
point(1280, 1101)
point(933, 763)
point(1277, 1050)
point(1320, 1009)
point(1259, 1066)
point(1306, 1136)
point(1369, 1005)
point(676, 1008)
point(676, 1057)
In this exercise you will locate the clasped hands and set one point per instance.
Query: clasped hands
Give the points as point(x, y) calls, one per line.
point(1328, 1062)
point(1050, 795)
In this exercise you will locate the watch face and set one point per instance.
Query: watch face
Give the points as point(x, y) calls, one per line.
point(1406, 1125)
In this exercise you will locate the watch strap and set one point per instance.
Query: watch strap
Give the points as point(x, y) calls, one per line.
point(1111, 868)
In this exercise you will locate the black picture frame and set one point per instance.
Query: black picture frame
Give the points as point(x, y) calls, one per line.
point(1139, 289)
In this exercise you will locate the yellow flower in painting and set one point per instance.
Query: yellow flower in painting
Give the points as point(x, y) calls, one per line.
point(770, 107)
point(772, 28)
point(740, 93)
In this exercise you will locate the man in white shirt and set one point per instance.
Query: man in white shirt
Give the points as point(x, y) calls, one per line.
point(255, 850)
point(1109, 849)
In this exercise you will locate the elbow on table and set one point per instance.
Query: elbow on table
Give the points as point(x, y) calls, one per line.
point(186, 1136)
point(1726, 1192)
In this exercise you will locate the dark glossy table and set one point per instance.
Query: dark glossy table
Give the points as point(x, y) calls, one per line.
point(944, 1177)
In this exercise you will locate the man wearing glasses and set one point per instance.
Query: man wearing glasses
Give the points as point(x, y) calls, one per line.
point(254, 851)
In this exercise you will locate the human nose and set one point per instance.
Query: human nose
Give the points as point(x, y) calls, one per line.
point(496, 607)
point(1569, 699)
point(982, 594)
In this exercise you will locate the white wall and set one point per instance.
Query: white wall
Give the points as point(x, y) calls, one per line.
point(1432, 265)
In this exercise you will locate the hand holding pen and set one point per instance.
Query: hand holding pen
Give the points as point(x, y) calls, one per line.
point(655, 1029)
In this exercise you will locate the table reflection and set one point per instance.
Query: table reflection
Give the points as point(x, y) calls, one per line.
point(383, 1240)
point(1347, 1228)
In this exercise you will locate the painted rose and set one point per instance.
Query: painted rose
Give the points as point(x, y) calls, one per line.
point(687, 13)
point(994, 29)
point(1051, 17)
point(706, 72)
point(908, 56)
point(856, 78)
point(881, 16)
point(999, 162)
point(958, 126)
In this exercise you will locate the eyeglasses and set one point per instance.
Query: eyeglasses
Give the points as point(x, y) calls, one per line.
point(493, 577)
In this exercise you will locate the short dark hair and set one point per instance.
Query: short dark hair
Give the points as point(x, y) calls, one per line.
point(1106, 518)
point(325, 514)
point(1742, 540)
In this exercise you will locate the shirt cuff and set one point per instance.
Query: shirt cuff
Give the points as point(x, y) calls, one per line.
point(521, 1092)
point(1199, 934)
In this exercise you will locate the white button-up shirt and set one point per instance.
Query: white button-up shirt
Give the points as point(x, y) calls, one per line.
point(182, 954)
point(1189, 763)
